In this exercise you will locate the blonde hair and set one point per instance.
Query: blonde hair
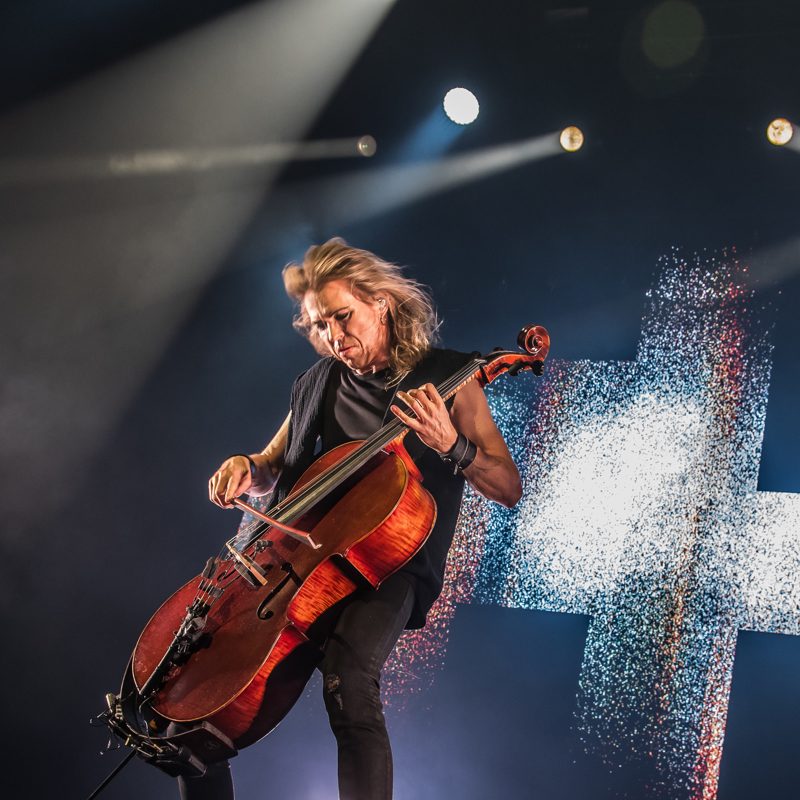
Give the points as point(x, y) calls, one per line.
point(411, 313)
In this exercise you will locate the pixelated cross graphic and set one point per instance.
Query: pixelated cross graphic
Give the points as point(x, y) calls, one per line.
point(641, 510)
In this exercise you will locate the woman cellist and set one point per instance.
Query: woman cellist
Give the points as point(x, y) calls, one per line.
point(374, 329)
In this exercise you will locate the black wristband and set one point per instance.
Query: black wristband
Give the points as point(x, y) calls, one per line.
point(253, 467)
point(461, 454)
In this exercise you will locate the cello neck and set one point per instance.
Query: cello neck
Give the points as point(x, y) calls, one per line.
point(299, 503)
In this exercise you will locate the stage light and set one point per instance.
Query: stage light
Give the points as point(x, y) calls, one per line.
point(571, 139)
point(780, 131)
point(366, 146)
point(461, 106)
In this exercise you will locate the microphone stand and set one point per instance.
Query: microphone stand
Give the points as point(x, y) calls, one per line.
point(111, 775)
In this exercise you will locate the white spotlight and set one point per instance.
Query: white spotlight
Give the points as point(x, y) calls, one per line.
point(571, 139)
point(461, 106)
point(780, 131)
point(366, 146)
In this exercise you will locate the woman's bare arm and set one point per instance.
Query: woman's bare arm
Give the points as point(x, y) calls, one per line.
point(233, 477)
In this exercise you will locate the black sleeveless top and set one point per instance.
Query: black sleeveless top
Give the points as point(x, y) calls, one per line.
point(321, 399)
point(355, 405)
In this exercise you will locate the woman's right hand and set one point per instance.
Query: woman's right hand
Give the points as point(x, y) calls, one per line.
point(229, 481)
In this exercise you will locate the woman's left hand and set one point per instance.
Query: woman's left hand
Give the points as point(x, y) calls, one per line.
point(432, 421)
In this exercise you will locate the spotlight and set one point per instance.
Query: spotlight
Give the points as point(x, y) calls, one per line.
point(571, 139)
point(461, 106)
point(366, 146)
point(780, 131)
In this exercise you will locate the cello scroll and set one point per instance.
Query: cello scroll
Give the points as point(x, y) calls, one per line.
point(534, 340)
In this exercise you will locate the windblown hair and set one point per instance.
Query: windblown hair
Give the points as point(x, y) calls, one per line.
point(411, 313)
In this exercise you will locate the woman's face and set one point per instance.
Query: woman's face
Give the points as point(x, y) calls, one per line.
point(354, 330)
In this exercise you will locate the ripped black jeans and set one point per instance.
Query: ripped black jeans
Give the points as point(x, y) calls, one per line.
point(362, 640)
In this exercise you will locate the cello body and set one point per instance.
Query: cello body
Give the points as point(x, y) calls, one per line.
point(260, 644)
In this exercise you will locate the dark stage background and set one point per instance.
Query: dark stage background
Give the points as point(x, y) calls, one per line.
point(145, 333)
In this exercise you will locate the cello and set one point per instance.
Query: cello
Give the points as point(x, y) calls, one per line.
point(226, 656)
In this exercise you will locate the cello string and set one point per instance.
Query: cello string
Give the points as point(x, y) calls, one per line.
point(210, 599)
point(329, 479)
point(378, 440)
point(357, 458)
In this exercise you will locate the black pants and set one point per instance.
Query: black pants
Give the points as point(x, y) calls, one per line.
point(362, 640)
